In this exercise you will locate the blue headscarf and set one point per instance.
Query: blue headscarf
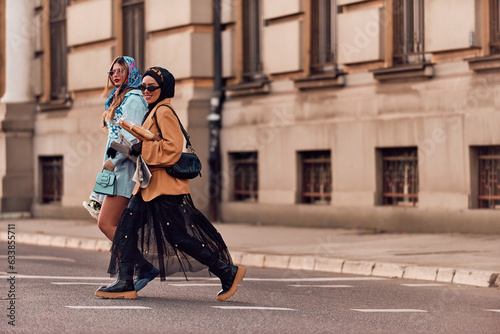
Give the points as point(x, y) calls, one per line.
point(134, 78)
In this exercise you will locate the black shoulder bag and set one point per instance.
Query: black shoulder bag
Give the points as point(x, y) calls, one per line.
point(188, 166)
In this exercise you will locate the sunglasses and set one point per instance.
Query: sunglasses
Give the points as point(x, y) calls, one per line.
point(148, 88)
point(119, 71)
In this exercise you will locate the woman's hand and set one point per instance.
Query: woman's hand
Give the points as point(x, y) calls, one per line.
point(108, 165)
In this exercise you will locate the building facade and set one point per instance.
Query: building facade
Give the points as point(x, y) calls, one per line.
point(378, 114)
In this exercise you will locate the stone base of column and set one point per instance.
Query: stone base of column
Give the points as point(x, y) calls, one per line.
point(16, 157)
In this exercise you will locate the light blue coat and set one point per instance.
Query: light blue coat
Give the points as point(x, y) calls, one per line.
point(135, 107)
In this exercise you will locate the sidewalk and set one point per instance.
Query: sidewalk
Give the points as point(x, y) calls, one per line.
point(453, 258)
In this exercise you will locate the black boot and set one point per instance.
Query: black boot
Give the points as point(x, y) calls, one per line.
point(122, 287)
point(229, 276)
point(143, 275)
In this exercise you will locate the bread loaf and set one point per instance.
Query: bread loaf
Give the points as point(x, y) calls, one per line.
point(138, 131)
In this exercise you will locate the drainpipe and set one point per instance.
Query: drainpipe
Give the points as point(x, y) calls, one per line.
point(214, 119)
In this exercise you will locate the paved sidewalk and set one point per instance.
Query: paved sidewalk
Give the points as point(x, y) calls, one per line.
point(454, 258)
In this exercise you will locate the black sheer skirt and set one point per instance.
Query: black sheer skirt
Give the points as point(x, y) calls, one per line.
point(151, 231)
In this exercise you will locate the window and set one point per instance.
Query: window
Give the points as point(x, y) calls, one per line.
point(408, 31)
point(134, 31)
point(246, 177)
point(52, 178)
point(316, 173)
point(58, 50)
point(399, 176)
point(252, 66)
point(323, 35)
point(489, 173)
point(494, 27)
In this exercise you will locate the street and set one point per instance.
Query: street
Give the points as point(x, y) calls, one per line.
point(54, 290)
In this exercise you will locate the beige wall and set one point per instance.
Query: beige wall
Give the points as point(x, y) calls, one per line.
point(466, 29)
point(89, 21)
point(442, 116)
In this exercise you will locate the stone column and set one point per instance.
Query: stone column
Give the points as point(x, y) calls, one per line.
point(17, 109)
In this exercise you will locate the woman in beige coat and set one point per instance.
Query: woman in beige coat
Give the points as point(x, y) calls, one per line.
point(161, 231)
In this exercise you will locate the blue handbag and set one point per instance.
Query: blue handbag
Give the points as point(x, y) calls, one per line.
point(105, 183)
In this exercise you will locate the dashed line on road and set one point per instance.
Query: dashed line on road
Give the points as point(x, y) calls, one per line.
point(40, 258)
point(316, 279)
point(422, 285)
point(388, 310)
point(493, 310)
point(79, 283)
point(195, 284)
point(254, 308)
point(111, 307)
point(320, 286)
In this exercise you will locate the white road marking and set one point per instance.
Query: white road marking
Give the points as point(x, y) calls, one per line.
point(111, 307)
point(40, 258)
point(493, 310)
point(395, 310)
point(78, 283)
point(423, 284)
point(320, 286)
point(196, 284)
point(254, 308)
point(247, 279)
point(316, 279)
point(6, 275)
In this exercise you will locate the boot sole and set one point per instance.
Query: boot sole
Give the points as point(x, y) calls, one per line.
point(239, 277)
point(114, 295)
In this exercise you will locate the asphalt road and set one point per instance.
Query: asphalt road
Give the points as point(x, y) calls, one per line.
point(54, 287)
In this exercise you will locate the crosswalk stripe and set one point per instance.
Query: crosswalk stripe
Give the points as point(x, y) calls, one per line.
point(395, 310)
point(320, 286)
point(254, 308)
point(111, 307)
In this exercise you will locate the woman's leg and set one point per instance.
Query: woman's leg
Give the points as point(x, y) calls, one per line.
point(111, 211)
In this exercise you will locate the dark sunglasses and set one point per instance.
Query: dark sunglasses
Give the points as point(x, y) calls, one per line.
point(119, 71)
point(148, 88)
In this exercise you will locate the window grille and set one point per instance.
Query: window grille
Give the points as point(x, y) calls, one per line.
point(134, 31)
point(316, 177)
point(252, 66)
point(400, 176)
point(246, 177)
point(489, 173)
point(52, 178)
point(494, 26)
point(58, 49)
point(408, 31)
point(323, 35)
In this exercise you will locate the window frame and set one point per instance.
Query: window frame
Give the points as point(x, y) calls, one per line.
point(407, 50)
point(134, 47)
point(248, 162)
point(315, 197)
point(251, 34)
point(487, 155)
point(58, 50)
point(410, 190)
point(323, 50)
point(54, 180)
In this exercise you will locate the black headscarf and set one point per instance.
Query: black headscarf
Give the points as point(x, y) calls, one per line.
point(165, 80)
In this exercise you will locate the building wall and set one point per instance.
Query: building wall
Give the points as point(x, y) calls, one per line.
point(177, 37)
point(443, 114)
point(445, 107)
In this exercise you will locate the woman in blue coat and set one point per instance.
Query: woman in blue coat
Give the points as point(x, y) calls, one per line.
point(125, 100)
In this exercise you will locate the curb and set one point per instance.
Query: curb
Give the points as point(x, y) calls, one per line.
point(480, 278)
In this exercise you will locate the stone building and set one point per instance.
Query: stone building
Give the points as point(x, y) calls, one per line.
point(380, 114)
